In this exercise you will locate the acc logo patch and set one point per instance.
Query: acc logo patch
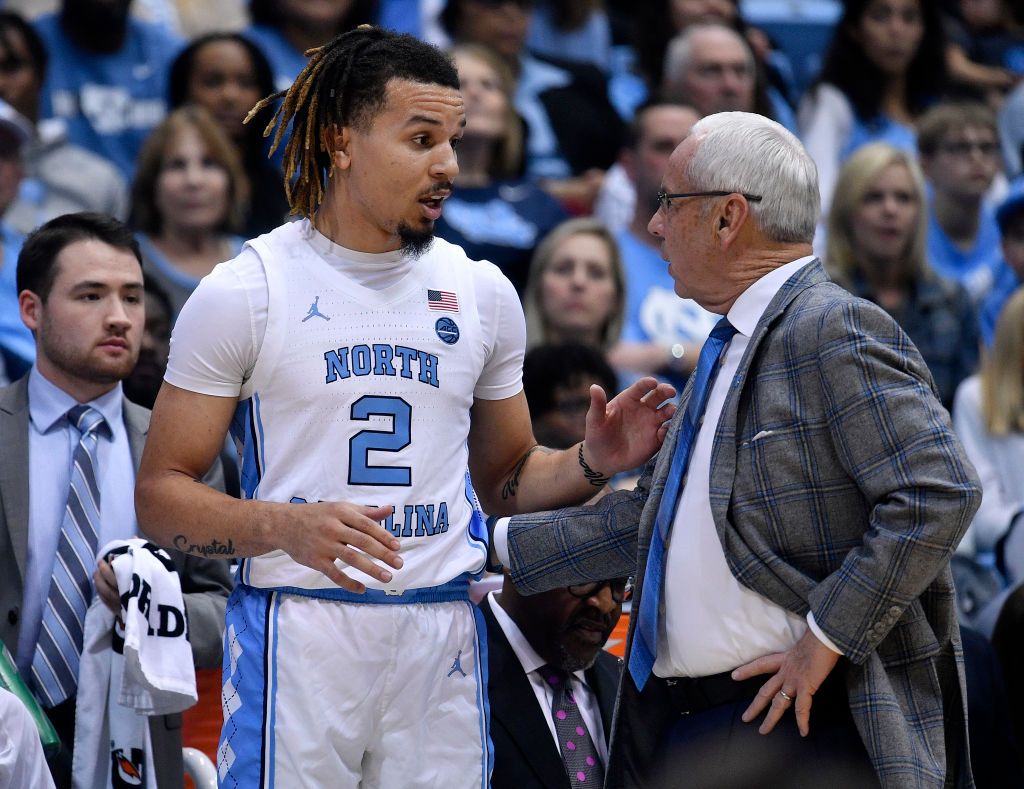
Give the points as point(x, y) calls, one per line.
point(447, 330)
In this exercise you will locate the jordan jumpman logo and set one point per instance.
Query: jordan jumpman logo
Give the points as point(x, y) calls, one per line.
point(314, 310)
point(457, 665)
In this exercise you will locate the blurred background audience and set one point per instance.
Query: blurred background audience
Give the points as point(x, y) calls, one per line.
point(877, 249)
point(285, 29)
point(556, 381)
point(59, 177)
point(227, 74)
point(958, 145)
point(885, 66)
point(576, 290)
point(1010, 272)
point(988, 416)
point(188, 201)
point(913, 111)
point(496, 214)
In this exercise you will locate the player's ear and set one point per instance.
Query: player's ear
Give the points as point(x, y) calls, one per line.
point(337, 140)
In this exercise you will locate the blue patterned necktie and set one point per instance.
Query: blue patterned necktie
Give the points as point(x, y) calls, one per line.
point(582, 764)
point(55, 663)
point(645, 639)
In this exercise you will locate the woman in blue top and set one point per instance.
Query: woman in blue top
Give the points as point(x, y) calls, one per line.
point(885, 64)
point(188, 200)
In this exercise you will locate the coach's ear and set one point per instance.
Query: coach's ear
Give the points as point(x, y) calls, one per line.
point(337, 141)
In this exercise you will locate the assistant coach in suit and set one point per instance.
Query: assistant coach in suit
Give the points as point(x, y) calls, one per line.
point(805, 562)
point(80, 282)
point(526, 634)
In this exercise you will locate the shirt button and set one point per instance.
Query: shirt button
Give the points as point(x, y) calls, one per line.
point(12, 616)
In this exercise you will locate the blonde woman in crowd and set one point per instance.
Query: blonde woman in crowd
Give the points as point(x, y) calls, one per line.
point(876, 249)
point(988, 415)
point(576, 288)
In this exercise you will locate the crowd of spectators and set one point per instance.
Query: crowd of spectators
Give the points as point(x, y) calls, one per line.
point(915, 120)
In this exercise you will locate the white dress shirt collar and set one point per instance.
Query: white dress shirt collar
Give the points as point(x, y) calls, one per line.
point(748, 308)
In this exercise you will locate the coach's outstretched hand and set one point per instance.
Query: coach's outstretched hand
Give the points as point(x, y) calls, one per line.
point(625, 432)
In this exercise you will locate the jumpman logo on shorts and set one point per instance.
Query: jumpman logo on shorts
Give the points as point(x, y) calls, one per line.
point(314, 310)
point(457, 665)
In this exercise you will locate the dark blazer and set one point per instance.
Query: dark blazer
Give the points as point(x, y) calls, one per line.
point(205, 582)
point(837, 485)
point(525, 757)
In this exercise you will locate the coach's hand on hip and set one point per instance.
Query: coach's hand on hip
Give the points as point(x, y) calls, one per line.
point(798, 673)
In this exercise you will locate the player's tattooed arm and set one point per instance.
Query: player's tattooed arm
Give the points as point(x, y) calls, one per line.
point(212, 548)
point(511, 486)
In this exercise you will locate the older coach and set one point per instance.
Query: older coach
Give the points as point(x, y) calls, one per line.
point(793, 555)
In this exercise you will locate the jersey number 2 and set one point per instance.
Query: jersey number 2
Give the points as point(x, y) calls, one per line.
point(360, 472)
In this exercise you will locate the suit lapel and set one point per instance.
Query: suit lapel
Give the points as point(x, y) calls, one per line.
point(14, 424)
point(603, 677)
point(514, 706)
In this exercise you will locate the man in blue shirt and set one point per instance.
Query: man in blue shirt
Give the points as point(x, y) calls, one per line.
point(661, 334)
point(959, 152)
point(108, 76)
point(1010, 216)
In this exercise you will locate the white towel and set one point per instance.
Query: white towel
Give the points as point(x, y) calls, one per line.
point(152, 675)
point(159, 675)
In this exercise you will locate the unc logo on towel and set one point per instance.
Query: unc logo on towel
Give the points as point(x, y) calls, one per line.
point(447, 330)
point(126, 771)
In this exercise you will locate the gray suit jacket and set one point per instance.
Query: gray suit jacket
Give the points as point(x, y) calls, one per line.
point(837, 486)
point(205, 582)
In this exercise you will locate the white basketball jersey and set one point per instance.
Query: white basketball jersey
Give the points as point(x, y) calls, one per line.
point(364, 396)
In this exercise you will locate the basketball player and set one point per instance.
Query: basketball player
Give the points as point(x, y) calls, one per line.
point(367, 368)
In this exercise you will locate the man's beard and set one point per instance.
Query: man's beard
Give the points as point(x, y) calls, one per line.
point(415, 242)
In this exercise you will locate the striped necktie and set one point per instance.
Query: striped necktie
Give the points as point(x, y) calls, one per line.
point(645, 639)
point(55, 663)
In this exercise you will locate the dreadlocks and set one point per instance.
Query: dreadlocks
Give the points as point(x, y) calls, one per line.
point(344, 84)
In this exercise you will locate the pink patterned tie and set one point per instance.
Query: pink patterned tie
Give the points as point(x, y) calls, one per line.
point(582, 764)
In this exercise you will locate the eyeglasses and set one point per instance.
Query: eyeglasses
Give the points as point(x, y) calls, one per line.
point(967, 147)
point(663, 198)
point(621, 588)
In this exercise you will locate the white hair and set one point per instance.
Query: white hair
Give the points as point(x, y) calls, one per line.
point(749, 153)
point(679, 52)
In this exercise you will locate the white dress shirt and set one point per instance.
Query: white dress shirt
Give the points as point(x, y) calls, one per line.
point(586, 700)
point(709, 621)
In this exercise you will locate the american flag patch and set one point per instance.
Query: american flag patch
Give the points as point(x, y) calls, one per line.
point(442, 300)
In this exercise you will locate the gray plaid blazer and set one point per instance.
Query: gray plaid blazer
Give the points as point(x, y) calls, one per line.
point(837, 486)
